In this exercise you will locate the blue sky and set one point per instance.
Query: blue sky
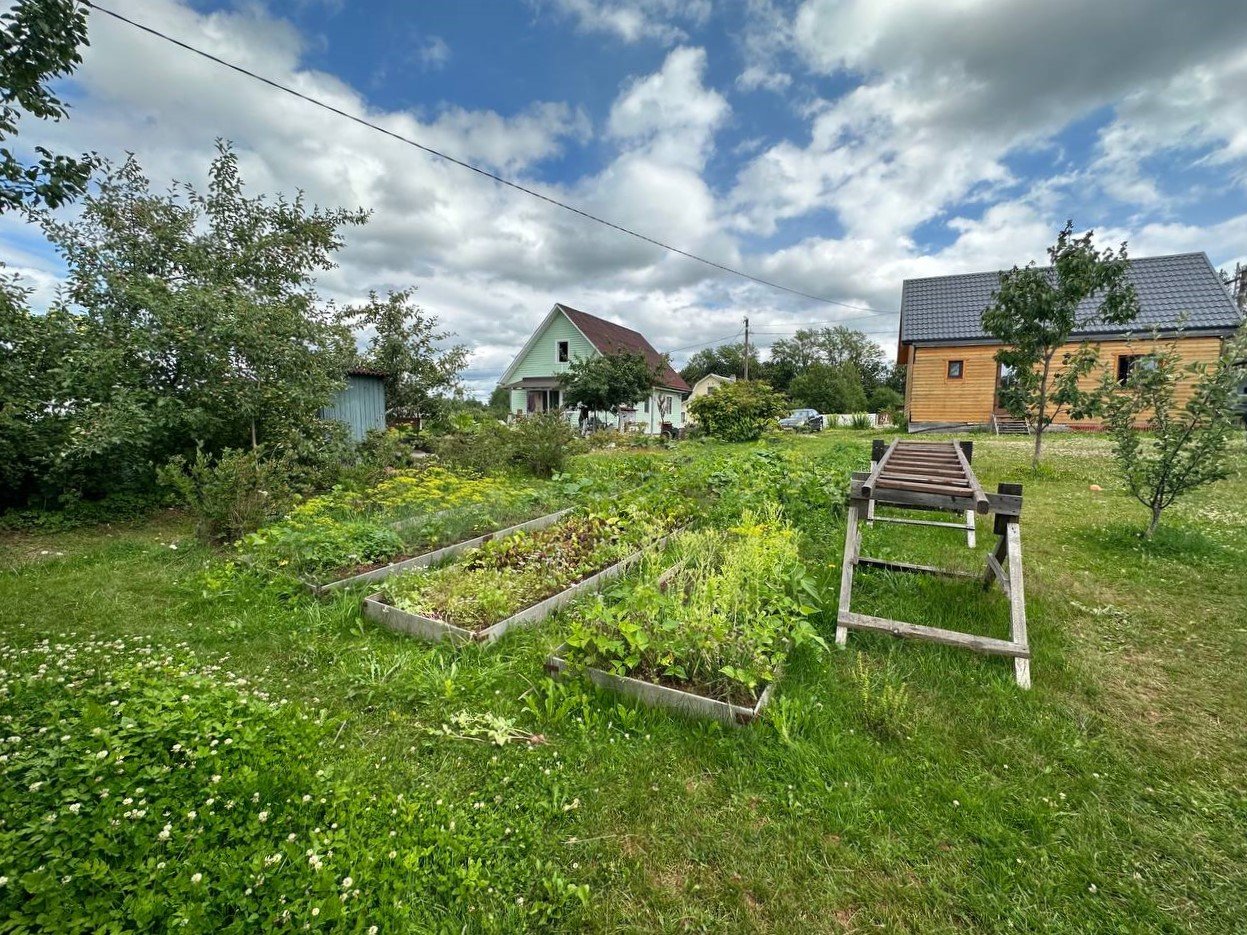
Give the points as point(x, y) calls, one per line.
point(839, 146)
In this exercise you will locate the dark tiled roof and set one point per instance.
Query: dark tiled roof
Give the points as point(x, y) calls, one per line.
point(948, 308)
point(610, 338)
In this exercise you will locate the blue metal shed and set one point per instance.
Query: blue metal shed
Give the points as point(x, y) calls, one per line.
point(361, 405)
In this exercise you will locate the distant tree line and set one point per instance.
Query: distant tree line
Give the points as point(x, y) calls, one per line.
point(834, 370)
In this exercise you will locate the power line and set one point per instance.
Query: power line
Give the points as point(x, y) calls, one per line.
point(689, 347)
point(469, 166)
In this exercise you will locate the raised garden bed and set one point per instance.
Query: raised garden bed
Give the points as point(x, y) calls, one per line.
point(663, 696)
point(515, 580)
point(708, 637)
point(437, 555)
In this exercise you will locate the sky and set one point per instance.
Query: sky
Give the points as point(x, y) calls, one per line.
point(835, 146)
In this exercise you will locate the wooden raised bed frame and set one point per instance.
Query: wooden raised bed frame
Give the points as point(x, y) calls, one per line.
point(437, 555)
point(937, 476)
point(661, 696)
point(433, 630)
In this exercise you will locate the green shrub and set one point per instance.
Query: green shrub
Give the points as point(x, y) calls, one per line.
point(542, 443)
point(72, 512)
point(229, 496)
point(739, 411)
point(480, 448)
point(860, 420)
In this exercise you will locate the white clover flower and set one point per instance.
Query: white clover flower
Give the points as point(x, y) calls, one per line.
point(196, 877)
point(316, 910)
point(263, 817)
point(347, 883)
point(75, 807)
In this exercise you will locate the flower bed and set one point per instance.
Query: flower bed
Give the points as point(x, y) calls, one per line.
point(346, 534)
point(710, 637)
point(520, 578)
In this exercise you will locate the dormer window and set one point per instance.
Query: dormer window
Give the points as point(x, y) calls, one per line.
point(564, 352)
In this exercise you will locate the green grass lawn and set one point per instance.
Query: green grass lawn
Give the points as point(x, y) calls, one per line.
point(1110, 798)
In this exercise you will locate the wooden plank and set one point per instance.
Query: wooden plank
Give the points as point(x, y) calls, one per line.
point(924, 478)
point(980, 498)
point(663, 696)
point(993, 566)
point(892, 565)
point(979, 644)
point(1017, 604)
point(915, 500)
point(970, 529)
point(999, 555)
point(852, 542)
point(946, 489)
point(868, 485)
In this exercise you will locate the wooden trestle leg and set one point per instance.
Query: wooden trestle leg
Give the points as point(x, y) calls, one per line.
point(852, 544)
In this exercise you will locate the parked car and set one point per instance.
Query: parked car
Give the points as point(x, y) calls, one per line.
point(807, 420)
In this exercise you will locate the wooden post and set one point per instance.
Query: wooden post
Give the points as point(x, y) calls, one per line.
point(970, 541)
point(1017, 602)
point(852, 542)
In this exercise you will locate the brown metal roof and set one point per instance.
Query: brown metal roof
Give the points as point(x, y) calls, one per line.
point(610, 338)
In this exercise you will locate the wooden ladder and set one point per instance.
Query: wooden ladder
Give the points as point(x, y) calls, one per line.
point(936, 476)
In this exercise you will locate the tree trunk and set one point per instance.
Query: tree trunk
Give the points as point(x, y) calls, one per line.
point(1041, 413)
point(1151, 527)
point(254, 444)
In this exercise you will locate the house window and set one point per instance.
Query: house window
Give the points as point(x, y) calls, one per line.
point(564, 352)
point(647, 407)
point(955, 369)
point(1127, 362)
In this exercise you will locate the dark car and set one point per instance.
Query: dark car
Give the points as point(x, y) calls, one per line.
point(802, 420)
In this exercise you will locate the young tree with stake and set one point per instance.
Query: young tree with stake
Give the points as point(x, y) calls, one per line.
point(1035, 312)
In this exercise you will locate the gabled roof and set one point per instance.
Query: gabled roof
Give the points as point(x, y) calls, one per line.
point(610, 338)
point(1170, 288)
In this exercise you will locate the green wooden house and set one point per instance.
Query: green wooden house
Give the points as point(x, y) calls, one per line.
point(567, 334)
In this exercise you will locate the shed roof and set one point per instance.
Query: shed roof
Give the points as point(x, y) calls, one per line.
point(1170, 288)
point(610, 338)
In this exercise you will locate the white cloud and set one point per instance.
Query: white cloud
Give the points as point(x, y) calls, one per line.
point(671, 113)
point(634, 20)
point(433, 53)
point(947, 90)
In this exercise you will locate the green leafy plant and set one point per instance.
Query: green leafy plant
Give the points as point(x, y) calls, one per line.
point(883, 704)
point(1185, 443)
point(860, 421)
point(229, 495)
point(739, 411)
point(719, 623)
point(604, 382)
point(1035, 312)
point(542, 443)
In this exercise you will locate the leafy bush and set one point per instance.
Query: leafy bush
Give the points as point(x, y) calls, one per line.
point(720, 624)
point(739, 411)
point(886, 399)
point(860, 420)
point(72, 512)
point(480, 447)
point(882, 702)
point(347, 529)
point(230, 495)
point(542, 443)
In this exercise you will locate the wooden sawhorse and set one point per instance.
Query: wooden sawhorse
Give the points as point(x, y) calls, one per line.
point(937, 476)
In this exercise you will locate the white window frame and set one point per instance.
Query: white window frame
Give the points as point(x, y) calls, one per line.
point(562, 352)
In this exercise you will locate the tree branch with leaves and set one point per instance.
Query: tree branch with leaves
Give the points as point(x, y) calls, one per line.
point(1166, 448)
point(1035, 313)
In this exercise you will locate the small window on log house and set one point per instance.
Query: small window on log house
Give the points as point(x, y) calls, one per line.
point(954, 369)
point(1127, 362)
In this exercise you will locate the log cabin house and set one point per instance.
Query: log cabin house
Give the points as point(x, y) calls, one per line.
point(953, 377)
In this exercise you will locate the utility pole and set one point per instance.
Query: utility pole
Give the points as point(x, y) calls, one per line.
point(746, 347)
